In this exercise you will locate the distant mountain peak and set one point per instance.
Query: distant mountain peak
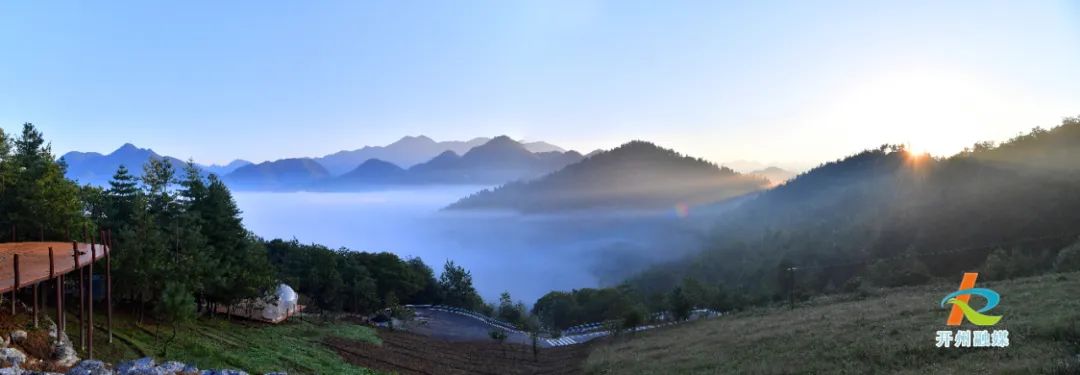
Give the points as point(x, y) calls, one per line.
point(541, 146)
point(503, 139)
point(377, 163)
point(499, 149)
point(414, 140)
point(129, 148)
point(448, 154)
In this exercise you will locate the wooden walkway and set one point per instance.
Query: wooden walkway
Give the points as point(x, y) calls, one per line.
point(34, 263)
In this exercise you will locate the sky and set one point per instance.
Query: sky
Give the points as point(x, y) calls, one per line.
point(793, 83)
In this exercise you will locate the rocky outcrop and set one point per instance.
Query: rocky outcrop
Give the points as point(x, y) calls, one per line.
point(11, 357)
point(63, 352)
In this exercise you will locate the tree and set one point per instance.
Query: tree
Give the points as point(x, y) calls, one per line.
point(557, 310)
point(457, 289)
point(679, 304)
point(533, 327)
point(120, 198)
point(498, 335)
point(177, 306)
point(34, 194)
point(391, 303)
point(510, 312)
point(633, 319)
point(1068, 259)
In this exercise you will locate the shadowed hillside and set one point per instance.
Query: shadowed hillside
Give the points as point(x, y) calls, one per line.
point(636, 175)
point(880, 331)
point(1006, 209)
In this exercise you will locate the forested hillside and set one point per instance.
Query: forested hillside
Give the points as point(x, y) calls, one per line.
point(882, 217)
point(636, 175)
point(891, 217)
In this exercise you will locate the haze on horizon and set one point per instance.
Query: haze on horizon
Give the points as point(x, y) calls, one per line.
point(768, 81)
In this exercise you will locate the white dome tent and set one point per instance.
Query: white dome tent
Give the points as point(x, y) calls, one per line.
point(281, 305)
point(274, 308)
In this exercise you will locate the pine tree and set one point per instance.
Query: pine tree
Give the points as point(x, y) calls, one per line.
point(36, 195)
point(121, 198)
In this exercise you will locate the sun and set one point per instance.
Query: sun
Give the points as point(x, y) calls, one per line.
point(915, 152)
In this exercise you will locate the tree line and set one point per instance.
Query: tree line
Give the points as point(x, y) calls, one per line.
point(180, 243)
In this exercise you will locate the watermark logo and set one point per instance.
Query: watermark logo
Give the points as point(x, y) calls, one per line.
point(961, 309)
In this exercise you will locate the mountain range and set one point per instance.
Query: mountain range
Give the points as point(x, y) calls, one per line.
point(499, 160)
point(636, 175)
point(408, 161)
point(411, 150)
point(97, 169)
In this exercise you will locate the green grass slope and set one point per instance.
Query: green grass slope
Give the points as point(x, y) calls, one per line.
point(884, 331)
point(294, 346)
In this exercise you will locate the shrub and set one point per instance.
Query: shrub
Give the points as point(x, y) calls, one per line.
point(1068, 259)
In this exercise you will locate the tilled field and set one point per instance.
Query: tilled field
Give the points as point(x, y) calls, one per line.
point(408, 353)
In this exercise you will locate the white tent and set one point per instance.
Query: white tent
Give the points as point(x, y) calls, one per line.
point(281, 304)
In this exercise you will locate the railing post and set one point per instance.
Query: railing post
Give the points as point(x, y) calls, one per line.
point(56, 284)
point(36, 305)
point(108, 283)
point(15, 288)
point(90, 301)
point(82, 300)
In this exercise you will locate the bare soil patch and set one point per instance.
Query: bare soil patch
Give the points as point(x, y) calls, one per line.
point(409, 353)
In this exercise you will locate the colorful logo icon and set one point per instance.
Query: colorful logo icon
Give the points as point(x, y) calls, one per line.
point(961, 309)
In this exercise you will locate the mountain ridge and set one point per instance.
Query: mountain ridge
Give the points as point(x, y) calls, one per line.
point(635, 175)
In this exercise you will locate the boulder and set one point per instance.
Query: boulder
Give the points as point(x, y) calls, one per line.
point(13, 370)
point(135, 366)
point(223, 372)
point(11, 357)
point(90, 367)
point(170, 368)
point(18, 336)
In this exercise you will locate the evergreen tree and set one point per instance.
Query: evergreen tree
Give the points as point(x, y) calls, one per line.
point(121, 198)
point(34, 194)
point(457, 287)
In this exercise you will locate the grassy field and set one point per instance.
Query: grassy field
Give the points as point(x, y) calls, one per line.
point(294, 346)
point(888, 331)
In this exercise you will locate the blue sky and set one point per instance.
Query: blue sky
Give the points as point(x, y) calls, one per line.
point(798, 82)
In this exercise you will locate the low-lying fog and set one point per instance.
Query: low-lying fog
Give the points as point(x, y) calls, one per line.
point(527, 255)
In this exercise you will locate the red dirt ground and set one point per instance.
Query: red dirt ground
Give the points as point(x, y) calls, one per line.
point(408, 353)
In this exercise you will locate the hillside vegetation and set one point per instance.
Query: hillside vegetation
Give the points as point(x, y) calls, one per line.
point(890, 217)
point(295, 346)
point(884, 217)
point(636, 175)
point(880, 331)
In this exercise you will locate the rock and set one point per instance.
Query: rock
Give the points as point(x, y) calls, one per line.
point(190, 370)
point(132, 367)
point(13, 370)
point(223, 372)
point(90, 367)
point(18, 336)
point(63, 354)
point(170, 368)
point(11, 357)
